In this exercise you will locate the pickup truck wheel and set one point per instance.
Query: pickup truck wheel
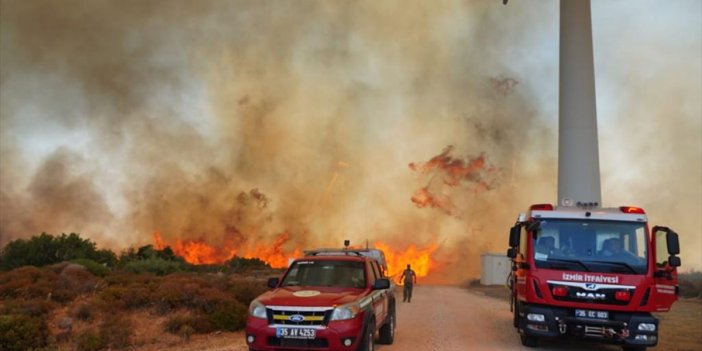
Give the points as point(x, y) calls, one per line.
point(387, 331)
point(367, 343)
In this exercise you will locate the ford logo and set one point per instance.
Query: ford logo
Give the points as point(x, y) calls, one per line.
point(297, 318)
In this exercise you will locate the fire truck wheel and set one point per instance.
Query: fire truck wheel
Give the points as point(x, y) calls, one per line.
point(387, 331)
point(515, 317)
point(529, 341)
point(367, 343)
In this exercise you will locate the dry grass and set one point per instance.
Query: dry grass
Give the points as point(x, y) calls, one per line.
point(129, 311)
point(680, 327)
point(218, 341)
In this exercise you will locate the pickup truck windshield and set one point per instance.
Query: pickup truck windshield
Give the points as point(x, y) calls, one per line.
point(342, 274)
point(595, 246)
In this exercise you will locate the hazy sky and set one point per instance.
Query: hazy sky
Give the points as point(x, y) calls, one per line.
point(236, 121)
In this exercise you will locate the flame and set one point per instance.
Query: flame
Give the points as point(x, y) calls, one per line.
point(472, 173)
point(456, 170)
point(274, 255)
point(420, 258)
point(197, 251)
point(424, 198)
point(158, 241)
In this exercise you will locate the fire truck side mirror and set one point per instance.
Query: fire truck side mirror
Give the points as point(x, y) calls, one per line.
point(671, 239)
point(272, 282)
point(511, 252)
point(674, 261)
point(514, 236)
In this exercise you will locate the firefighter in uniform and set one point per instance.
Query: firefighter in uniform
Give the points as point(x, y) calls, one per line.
point(409, 278)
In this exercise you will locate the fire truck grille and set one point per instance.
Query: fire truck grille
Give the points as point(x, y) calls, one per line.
point(307, 317)
point(602, 296)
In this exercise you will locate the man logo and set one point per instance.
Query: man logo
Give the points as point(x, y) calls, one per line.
point(590, 296)
point(590, 286)
point(297, 318)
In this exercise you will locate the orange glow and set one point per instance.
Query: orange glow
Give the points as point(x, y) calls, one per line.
point(197, 251)
point(421, 259)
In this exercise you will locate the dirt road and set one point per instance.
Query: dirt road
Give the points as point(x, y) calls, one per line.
point(442, 318)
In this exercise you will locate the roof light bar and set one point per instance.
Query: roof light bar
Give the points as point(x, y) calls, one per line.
point(541, 207)
point(632, 209)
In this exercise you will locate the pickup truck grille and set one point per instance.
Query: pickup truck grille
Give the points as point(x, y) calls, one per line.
point(314, 343)
point(298, 316)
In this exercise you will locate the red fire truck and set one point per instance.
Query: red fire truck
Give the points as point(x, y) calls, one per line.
point(591, 272)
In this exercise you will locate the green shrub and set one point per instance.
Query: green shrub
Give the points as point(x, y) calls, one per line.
point(46, 249)
point(97, 269)
point(244, 264)
point(157, 266)
point(89, 340)
point(19, 332)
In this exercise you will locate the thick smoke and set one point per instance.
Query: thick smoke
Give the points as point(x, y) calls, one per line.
point(234, 122)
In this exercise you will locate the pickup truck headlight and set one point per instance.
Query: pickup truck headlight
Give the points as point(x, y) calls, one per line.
point(257, 309)
point(345, 312)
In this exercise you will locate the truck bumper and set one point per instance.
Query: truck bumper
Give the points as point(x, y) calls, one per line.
point(261, 336)
point(623, 328)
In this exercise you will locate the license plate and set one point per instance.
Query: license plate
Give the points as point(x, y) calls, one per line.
point(592, 314)
point(295, 333)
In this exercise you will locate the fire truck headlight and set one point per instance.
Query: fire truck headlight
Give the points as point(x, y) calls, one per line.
point(647, 327)
point(257, 309)
point(536, 317)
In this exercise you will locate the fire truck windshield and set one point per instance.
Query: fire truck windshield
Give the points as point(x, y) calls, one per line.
point(588, 245)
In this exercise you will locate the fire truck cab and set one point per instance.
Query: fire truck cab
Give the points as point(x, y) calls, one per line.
point(591, 272)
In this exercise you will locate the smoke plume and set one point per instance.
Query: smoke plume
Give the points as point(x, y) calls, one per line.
point(245, 124)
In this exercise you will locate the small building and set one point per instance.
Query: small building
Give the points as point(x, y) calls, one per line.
point(494, 268)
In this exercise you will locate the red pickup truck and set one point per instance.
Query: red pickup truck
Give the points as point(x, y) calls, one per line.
point(330, 301)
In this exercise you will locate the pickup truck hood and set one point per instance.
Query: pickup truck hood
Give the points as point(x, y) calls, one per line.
point(311, 296)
